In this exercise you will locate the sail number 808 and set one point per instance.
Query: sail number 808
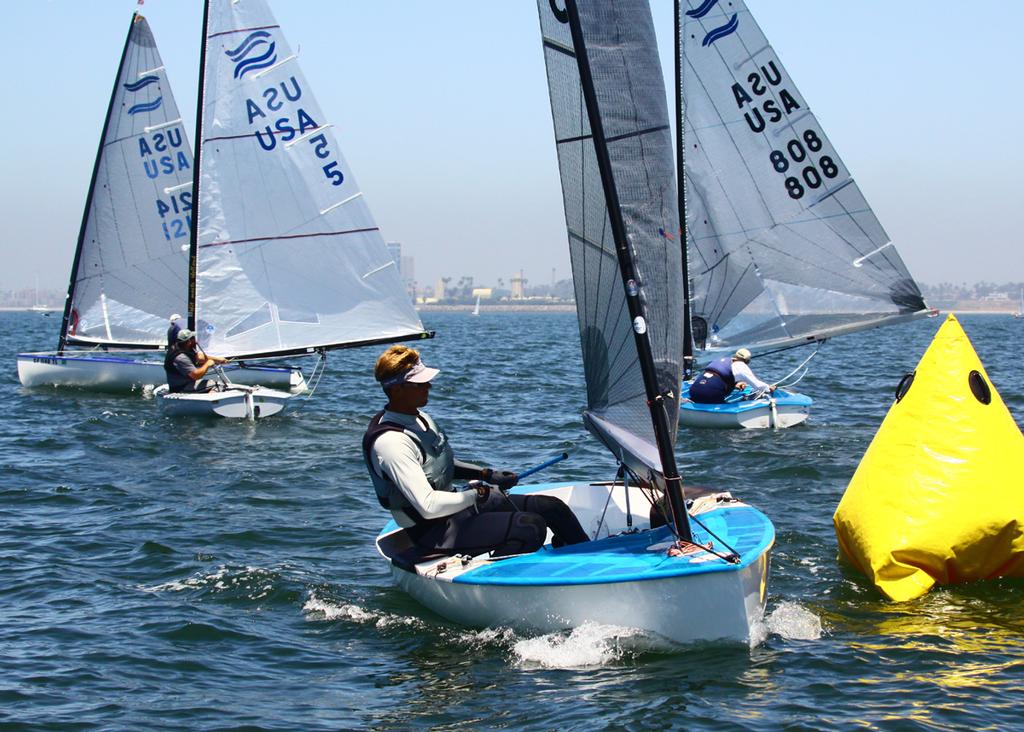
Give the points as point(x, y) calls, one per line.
point(810, 176)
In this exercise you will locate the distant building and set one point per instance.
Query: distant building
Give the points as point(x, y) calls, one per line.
point(484, 293)
point(406, 266)
point(518, 283)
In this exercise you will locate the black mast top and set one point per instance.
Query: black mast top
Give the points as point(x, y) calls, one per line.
point(62, 342)
point(681, 192)
point(659, 416)
point(193, 239)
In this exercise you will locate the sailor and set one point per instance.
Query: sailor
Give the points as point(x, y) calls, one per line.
point(176, 324)
point(186, 365)
point(723, 375)
point(412, 468)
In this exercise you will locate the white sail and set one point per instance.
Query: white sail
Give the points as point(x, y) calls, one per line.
point(131, 266)
point(782, 245)
point(288, 257)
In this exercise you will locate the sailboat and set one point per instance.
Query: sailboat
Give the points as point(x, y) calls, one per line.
point(703, 575)
point(130, 271)
point(38, 307)
point(476, 308)
point(1020, 308)
point(783, 248)
point(287, 256)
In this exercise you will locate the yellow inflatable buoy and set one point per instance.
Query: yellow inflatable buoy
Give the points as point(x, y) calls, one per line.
point(939, 495)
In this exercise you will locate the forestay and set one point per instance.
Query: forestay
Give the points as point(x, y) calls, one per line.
point(782, 245)
point(630, 94)
point(287, 255)
point(131, 266)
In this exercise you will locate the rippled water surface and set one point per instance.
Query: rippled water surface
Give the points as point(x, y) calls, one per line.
point(176, 574)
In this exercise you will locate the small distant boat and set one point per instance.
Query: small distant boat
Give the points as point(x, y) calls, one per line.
point(748, 409)
point(1020, 308)
point(476, 310)
point(130, 271)
point(783, 249)
point(936, 499)
point(704, 575)
point(287, 256)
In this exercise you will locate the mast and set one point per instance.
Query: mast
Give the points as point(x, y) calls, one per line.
point(197, 157)
point(681, 193)
point(92, 188)
point(659, 417)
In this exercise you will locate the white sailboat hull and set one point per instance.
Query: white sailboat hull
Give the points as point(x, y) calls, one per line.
point(782, 409)
point(120, 373)
point(237, 402)
point(693, 605)
point(712, 607)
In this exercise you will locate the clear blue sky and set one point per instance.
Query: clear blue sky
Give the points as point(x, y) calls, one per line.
point(441, 109)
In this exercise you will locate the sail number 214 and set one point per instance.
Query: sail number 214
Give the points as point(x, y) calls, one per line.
point(795, 161)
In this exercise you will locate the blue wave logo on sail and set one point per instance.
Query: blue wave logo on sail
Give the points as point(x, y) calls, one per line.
point(721, 31)
point(703, 10)
point(142, 83)
point(146, 106)
point(716, 33)
point(254, 53)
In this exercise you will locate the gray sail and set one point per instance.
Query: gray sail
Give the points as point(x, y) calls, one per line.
point(288, 256)
point(620, 46)
point(131, 266)
point(783, 248)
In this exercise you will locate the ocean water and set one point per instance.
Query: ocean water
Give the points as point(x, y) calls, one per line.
point(183, 574)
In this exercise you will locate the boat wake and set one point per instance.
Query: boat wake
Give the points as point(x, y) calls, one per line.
point(318, 609)
point(229, 583)
point(792, 621)
point(587, 646)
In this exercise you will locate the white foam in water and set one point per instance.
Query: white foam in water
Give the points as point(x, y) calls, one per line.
point(318, 609)
point(793, 621)
point(190, 583)
point(586, 646)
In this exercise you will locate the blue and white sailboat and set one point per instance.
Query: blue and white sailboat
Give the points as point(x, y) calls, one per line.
point(702, 575)
point(288, 259)
point(130, 270)
point(783, 249)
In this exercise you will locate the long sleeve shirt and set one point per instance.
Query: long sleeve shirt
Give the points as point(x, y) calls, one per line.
point(742, 372)
point(396, 456)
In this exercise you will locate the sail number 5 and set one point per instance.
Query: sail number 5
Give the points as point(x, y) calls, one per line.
point(796, 152)
point(334, 175)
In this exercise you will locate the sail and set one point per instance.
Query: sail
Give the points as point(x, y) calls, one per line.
point(288, 257)
point(619, 42)
point(131, 266)
point(782, 245)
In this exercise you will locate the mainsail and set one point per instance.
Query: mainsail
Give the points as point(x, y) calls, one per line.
point(131, 264)
point(782, 246)
point(287, 257)
point(622, 218)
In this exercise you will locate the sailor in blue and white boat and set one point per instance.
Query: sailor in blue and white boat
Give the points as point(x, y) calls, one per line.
point(723, 375)
point(186, 366)
point(412, 466)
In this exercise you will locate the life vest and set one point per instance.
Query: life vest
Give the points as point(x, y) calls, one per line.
point(435, 456)
point(723, 367)
point(176, 381)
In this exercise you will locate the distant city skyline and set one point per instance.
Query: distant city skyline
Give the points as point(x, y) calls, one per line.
point(446, 124)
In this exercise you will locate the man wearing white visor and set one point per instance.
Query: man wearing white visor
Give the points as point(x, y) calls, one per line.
point(412, 467)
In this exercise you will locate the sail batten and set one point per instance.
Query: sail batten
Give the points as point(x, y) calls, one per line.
point(130, 272)
point(780, 238)
point(284, 241)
